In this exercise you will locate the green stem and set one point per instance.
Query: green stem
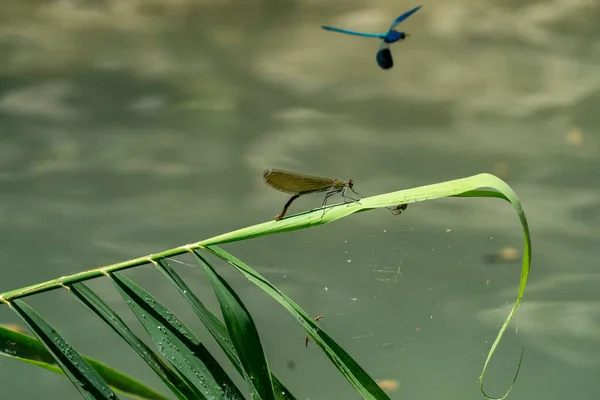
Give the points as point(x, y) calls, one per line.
point(94, 273)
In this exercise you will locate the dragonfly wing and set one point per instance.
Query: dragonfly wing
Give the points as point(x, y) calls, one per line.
point(355, 33)
point(384, 56)
point(404, 16)
point(293, 182)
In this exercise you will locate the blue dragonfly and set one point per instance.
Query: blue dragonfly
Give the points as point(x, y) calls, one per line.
point(384, 55)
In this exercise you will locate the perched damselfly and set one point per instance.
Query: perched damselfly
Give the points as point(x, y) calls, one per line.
point(300, 184)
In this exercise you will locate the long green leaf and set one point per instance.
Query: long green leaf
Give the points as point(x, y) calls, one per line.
point(243, 333)
point(25, 348)
point(358, 378)
point(92, 301)
point(87, 381)
point(177, 343)
point(466, 187)
point(216, 328)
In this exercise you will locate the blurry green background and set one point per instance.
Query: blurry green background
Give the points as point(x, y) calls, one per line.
point(129, 127)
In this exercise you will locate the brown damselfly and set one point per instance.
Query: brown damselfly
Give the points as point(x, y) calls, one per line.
point(300, 184)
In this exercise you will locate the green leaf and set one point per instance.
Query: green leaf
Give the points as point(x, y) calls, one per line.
point(92, 301)
point(358, 378)
point(177, 343)
point(28, 349)
point(243, 333)
point(466, 187)
point(87, 381)
point(216, 328)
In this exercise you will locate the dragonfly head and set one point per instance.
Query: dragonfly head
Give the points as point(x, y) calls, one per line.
point(350, 183)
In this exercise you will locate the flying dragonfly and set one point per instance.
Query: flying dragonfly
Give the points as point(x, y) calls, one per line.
point(384, 55)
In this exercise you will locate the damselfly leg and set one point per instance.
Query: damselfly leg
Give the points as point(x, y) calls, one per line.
point(287, 205)
point(328, 195)
point(346, 197)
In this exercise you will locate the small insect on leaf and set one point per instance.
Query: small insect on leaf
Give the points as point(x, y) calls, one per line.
point(397, 210)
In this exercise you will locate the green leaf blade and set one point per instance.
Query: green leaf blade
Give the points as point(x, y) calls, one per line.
point(94, 303)
point(352, 371)
point(243, 333)
point(85, 379)
point(27, 349)
point(216, 328)
point(176, 342)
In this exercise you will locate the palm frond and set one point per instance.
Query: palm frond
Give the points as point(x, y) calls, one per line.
point(182, 361)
